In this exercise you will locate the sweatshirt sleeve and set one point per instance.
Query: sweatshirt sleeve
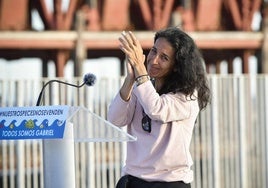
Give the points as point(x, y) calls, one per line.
point(120, 112)
point(164, 108)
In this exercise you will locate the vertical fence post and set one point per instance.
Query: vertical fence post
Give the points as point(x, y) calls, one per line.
point(215, 133)
point(266, 128)
point(20, 144)
point(242, 132)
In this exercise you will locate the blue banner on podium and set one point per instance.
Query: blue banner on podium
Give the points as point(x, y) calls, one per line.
point(39, 122)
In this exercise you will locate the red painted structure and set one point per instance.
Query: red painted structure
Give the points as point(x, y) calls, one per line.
point(221, 28)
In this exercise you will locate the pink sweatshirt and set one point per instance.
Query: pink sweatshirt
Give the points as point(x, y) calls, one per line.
point(163, 154)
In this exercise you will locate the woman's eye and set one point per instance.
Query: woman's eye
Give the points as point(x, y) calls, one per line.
point(153, 50)
point(164, 58)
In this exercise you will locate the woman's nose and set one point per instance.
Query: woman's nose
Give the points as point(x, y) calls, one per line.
point(155, 59)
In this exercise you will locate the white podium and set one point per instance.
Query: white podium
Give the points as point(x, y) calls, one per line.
point(59, 127)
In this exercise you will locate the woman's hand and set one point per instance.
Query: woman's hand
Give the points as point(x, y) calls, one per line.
point(134, 53)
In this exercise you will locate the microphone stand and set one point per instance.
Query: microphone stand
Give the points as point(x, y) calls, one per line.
point(59, 81)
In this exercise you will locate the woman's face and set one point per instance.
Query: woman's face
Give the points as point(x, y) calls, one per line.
point(161, 59)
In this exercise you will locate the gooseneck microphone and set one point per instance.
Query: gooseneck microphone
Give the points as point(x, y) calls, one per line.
point(89, 80)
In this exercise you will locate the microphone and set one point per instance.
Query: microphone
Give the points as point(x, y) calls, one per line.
point(89, 80)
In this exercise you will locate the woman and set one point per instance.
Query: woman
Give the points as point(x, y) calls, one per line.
point(159, 103)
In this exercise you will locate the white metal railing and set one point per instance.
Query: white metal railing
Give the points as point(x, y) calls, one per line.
point(229, 145)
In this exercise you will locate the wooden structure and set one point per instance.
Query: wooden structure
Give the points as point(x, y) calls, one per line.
point(90, 29)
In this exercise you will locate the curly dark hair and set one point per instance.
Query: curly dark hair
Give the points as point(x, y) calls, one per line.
point(189, 72)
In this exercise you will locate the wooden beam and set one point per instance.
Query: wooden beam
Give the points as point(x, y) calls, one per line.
point(233, 6)
point(204, 20)
point(14, 15)
point(46, 16)
point(109, 40)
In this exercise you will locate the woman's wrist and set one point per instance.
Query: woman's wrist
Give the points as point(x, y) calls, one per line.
point(142, 79)
point(126, 88)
